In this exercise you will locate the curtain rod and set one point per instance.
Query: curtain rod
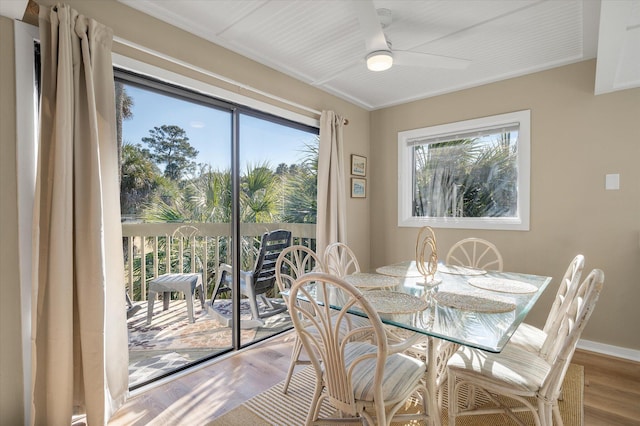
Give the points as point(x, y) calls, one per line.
point(216, 76)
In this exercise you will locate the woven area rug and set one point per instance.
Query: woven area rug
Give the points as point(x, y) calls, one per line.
point(273, 408)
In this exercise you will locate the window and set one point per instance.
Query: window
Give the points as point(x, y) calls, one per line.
point(471, 174)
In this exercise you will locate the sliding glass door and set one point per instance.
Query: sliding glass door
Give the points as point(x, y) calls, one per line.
point(198, 174)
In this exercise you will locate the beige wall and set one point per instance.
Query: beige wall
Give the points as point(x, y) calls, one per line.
point(576, 139)
point(11, 366)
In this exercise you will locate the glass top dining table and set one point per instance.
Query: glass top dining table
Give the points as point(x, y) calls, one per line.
point(471, 307)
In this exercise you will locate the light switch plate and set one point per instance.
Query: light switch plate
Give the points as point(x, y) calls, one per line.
point(612, 181)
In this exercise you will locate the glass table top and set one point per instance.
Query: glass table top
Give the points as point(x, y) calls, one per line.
point(477, 316)
point(483, 317)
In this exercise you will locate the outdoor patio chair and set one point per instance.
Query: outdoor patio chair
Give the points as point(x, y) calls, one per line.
point(257, 282)
point(131, 308)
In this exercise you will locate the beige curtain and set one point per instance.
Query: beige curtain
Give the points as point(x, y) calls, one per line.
point(331, 219)
point(79, 335)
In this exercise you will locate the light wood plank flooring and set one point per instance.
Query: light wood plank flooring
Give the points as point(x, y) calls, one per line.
point(612, 388)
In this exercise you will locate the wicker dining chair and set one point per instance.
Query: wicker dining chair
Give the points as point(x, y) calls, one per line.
point(517, 373)
point(340, 260)
point(533, 338)
point(362, 379)
point(475, 253)
point(294, 262)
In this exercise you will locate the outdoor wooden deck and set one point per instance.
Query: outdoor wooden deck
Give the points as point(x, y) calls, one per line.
point(171, 341)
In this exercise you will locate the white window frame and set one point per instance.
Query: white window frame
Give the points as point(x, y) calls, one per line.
point(405, 173)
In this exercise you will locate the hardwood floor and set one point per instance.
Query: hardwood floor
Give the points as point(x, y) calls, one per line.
point(611, 389)
point(611, 396)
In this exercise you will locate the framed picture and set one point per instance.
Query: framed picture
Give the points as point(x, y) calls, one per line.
point(358, 165)
point(358, 188)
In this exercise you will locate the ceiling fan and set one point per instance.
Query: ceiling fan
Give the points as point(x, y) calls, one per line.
point(380, 56)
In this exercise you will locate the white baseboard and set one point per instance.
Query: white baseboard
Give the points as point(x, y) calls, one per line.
point(617, 351)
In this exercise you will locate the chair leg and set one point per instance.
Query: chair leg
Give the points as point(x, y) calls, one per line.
point(189, 301)
point(544, 417)
point(316, 400)
point(219, 280)
point(295, 354)
point(251, 295)
point(201, 292)
point(453, 399)
point(255, 313)
point(150, 302)
point(556, 415)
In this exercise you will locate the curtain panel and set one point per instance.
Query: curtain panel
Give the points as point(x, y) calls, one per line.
point(332, 203)
point(79, 335)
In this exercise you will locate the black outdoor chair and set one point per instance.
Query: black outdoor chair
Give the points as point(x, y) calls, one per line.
point(258, 282)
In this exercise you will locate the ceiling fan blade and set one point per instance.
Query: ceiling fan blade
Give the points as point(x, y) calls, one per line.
point(370, 25)
point(427, 60)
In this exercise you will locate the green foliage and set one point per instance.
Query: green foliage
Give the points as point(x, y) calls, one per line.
point(140, 179)
point(301, 187)
point(466, 178)
point(266, 196)
point(124, 111)
point(258, 198)
point(170, 146)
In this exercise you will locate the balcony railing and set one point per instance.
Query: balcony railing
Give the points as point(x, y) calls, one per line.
point(150, 245)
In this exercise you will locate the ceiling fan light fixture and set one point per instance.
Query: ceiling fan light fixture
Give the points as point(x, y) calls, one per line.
point(379, 60)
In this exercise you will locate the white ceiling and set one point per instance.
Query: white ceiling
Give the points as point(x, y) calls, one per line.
point(320, 41)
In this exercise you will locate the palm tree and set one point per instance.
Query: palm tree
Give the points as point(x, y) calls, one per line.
point(440, 169)
point(301, 188)
point(140, 178)
point(124, 111)
point(466, 178)
point(258, 194)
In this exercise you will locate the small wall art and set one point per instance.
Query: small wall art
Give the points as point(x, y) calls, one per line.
point(358, 188)
point(358, 165)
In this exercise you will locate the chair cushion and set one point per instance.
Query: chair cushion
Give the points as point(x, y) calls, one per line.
point(401, 373)
point(516, 367)
point(528, 337)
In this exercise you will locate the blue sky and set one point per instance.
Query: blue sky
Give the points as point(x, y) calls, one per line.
point(209, 131)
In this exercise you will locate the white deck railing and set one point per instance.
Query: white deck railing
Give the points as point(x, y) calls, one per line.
point(211, 246)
